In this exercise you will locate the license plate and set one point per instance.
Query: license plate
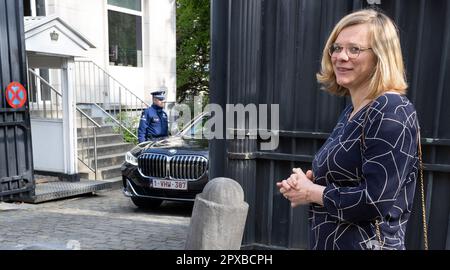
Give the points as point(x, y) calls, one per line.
point(169, 184)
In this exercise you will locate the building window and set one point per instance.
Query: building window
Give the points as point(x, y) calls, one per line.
point(34, 8)
point(26, 8)
point(130, 4)
point(40, 8)
point(125, 33)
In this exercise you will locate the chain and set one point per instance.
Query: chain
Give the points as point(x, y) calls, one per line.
point(422, 191)
point(378, 232)
point(422, 188)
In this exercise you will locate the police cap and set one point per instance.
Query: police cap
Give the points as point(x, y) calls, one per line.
point(159, 94)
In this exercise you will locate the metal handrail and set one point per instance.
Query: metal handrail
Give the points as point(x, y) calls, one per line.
point(115, 120)
point(98, 88)
point(36, 106)
point(87, 116)
point(96, 125)
point(115, 80)
point(45, 82)
point(92, 121)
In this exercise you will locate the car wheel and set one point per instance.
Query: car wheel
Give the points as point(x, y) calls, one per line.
point(146, 203)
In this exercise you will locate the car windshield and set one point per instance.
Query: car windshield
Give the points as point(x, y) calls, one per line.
point(196, 129)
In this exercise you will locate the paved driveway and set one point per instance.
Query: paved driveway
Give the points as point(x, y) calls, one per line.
point(105, 221)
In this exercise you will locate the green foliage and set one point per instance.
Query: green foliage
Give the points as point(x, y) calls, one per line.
point(131, 122)
point(193, 47)
point(129, 138)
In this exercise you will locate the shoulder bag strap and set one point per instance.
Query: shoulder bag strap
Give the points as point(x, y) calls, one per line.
point(422, 188)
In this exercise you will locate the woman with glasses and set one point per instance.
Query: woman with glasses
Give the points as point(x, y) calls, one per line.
point(361, 186)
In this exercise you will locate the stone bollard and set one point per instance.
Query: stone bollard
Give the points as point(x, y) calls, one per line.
point(218, 217)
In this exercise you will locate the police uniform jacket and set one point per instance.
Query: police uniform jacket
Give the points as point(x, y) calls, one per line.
point(153, 124)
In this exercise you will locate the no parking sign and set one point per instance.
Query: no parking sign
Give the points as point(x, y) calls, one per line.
point(16, 95)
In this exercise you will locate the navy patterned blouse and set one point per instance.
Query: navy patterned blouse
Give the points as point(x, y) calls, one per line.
point(364, 185)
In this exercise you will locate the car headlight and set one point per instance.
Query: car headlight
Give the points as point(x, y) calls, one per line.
point(130, 158)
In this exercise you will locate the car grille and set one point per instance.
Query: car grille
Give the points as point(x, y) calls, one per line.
point(185, 167)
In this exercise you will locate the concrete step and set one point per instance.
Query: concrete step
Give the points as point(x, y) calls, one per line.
point(100, 131)
point(85, 108)
point(104, 139)
point(106, 173)
point(85, 174)
point(107, 149)
point(109, 160)
point(84, 122)
point(111, 172)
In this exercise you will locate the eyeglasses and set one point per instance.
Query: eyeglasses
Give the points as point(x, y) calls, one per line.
point(352, 50)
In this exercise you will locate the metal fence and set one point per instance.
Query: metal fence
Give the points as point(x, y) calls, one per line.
point(268, 52)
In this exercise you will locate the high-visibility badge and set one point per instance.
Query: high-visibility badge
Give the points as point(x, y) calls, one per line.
point(16, 95)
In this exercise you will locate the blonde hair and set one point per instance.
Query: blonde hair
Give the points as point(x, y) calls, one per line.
point(389, 74)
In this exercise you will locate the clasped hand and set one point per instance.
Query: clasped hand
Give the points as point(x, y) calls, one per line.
point(297, 187)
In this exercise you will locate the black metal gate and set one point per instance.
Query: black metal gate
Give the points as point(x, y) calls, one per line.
point(16, 167)
point(268, 52)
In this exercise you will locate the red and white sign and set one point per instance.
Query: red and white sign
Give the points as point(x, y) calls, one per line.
point(16, 95)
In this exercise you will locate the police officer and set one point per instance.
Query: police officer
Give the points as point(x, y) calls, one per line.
point(153, 124)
